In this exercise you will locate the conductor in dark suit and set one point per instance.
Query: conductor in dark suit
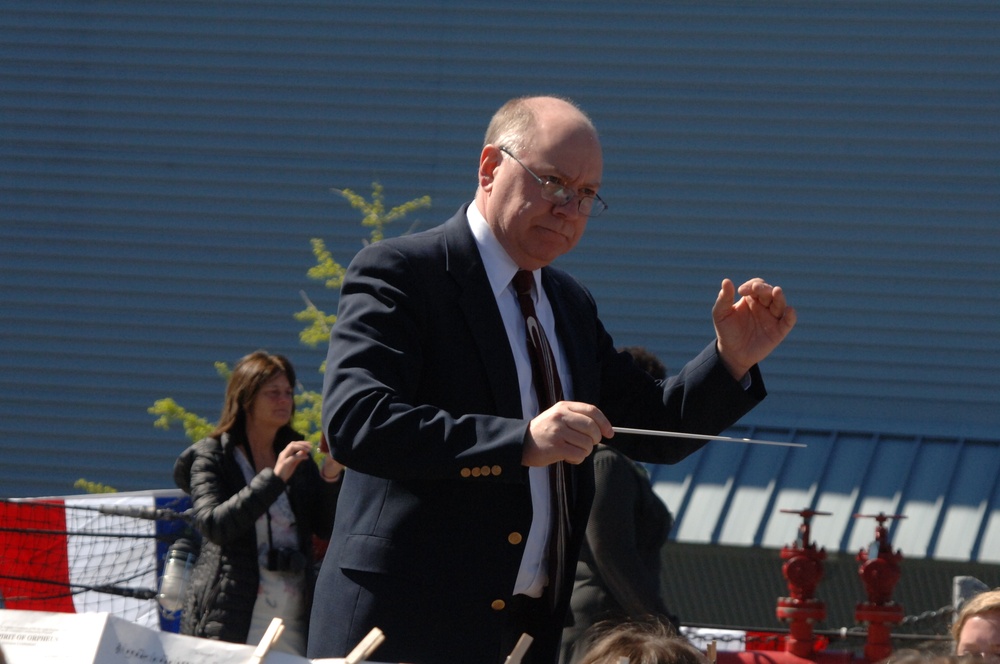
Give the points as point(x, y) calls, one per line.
point(443, 530)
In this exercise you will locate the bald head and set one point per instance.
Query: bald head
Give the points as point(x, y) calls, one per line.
point(515, 123)
point(532, 144)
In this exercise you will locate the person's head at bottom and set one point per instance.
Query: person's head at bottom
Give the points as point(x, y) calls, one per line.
point(647, 641)
point(976, 630)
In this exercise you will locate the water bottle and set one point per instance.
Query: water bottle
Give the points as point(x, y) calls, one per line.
point(177, 567)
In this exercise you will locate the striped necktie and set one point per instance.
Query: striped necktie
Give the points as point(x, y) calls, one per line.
point(549, 390)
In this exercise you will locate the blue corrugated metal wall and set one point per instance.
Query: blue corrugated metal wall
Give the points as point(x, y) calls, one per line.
point(164, 165)
point(941, 494)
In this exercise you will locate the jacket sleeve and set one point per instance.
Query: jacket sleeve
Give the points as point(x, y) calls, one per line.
point(406, 394)
point(702, 398)
point(224, 506)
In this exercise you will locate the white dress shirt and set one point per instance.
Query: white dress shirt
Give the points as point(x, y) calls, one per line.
point(500, 269)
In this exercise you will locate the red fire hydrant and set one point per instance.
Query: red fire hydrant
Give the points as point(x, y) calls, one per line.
point(879, 572)
point(802, 569)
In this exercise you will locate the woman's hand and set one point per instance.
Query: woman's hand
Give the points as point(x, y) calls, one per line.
point(289, 459)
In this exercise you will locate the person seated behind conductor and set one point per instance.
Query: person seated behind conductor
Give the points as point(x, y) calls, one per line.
point(648, 641)
point(618, 574)
point(976, 630)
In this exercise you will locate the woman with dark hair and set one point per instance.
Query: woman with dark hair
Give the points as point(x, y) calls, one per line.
point(258, 500)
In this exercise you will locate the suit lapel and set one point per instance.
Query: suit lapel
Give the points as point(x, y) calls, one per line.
point(572, 327)
point(478, 305)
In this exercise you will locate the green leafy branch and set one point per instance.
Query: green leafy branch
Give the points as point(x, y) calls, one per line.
point(373, 213)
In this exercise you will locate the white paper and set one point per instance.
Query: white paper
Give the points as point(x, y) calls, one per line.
point(40, 637)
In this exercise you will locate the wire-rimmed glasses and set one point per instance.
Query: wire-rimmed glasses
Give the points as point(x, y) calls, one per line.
point(555, 192)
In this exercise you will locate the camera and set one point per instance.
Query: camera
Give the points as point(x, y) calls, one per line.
point(286, 560)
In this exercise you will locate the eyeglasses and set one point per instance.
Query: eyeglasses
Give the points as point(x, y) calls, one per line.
point(555, 192)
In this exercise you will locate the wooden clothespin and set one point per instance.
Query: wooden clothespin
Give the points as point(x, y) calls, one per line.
point(521, 647)
point(711, 652)
point(270, 637)
point(363, 650)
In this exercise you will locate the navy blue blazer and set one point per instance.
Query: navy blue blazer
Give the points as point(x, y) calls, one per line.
point(421, 402)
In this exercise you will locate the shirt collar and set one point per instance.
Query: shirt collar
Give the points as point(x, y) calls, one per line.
point(500, 268)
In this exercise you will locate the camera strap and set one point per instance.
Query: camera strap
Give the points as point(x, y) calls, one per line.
point(253, 467)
